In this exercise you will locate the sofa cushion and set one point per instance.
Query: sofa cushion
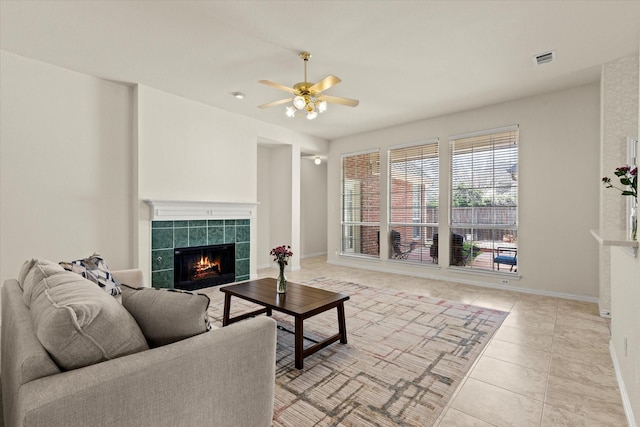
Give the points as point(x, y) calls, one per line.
point(78, 323)
point(95, 269)
point(36, 270)
point(167, 315)
point(24, 270)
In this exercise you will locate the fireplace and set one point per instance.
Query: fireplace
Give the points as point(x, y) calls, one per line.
point(203, 266)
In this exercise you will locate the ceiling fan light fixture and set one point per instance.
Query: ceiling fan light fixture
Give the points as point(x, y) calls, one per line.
point(291, 111)
point(317, 160)
point(299, 102)
point(307, 97)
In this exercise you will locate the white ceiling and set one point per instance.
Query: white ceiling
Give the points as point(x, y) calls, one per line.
point(404, 60)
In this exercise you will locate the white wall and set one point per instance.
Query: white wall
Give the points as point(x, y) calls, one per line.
point(313, 208)
point(275, 165)
point(625, 289)
point(618, 121)
point(281, 201)
point(65, 166)
point(193, 152)
point(79, 155)
point(625, 325)
point(263, 258)
point(559, 186)
point(188, 151)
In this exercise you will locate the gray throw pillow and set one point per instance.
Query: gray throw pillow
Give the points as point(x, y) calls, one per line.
point(167, 315)
point(77, 322)
point(34, 271)
point(25, 270)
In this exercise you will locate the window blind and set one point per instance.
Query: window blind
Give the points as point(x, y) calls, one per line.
point(413, 199)
point(484, 195)
point(484, 173)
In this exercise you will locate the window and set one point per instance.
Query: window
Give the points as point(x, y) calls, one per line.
point(413, 201)
point(484, 200)
point(361, 204)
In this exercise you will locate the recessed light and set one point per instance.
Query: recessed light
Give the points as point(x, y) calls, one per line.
point(238, 95)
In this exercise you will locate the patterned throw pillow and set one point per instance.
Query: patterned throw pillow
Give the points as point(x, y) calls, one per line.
point(95, 269)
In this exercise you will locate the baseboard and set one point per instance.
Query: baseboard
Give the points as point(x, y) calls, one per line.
point(431, 272)
point(626, 403)
point(313, 255)
point(274, 266)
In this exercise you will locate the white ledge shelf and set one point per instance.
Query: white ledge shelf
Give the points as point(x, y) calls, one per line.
point(184, 210)
point(614, 238)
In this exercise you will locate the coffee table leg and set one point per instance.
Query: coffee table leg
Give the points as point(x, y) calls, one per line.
point(227, 309)
point(342, 324)
point(299, 337)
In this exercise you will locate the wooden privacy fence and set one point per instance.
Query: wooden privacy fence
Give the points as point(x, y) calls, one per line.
point(489, 216)
point(497, 215)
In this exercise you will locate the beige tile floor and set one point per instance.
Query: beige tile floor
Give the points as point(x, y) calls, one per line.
point(547, 365)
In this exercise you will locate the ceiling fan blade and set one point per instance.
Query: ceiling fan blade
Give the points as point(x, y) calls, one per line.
point(342, 101)
point(324, 84)
point(274, 103)
point(278, 86)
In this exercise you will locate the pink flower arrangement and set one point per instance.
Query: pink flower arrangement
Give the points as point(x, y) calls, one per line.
point(628, 177)
point(281, 254)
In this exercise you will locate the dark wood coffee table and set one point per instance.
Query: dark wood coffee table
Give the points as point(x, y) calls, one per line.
point(300, 302)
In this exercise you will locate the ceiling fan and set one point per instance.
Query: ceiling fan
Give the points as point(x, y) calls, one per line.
point(308, 97)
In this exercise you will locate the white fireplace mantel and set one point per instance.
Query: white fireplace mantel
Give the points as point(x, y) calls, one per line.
point(167, 210)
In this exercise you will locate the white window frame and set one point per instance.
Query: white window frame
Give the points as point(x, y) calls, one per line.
point(493, 226)
point(348, 224)
point(414, 222)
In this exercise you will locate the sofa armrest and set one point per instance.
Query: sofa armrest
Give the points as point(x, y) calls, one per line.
point(225, 377)
point(131, 277)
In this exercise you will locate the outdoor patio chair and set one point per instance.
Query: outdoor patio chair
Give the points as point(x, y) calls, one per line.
point(507, 256)
point(457, 255)
point(399, 249)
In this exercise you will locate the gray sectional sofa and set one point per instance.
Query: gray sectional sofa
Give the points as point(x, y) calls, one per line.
point(85, 374)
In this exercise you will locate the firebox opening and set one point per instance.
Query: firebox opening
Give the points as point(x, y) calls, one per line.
point(204, 266)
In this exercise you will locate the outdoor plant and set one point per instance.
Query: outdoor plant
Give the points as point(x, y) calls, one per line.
point(470, 252)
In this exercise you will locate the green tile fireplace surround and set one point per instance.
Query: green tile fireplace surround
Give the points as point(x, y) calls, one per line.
point(168, 235)
point(193, 223)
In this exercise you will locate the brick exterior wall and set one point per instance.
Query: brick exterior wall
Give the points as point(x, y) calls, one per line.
point(365, 169)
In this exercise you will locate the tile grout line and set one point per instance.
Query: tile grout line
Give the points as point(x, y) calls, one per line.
point(515, 364)
point(553, 341)
point(466, 377)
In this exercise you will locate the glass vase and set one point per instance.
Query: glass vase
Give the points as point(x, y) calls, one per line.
point(281, 281)
point(633, 222)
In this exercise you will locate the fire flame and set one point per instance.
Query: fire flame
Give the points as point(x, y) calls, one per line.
point(205, 268)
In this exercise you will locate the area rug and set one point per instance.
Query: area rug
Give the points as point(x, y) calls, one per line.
point(405, 357)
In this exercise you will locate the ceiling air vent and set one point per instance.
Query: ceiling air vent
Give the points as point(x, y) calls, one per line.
point(544, 58)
